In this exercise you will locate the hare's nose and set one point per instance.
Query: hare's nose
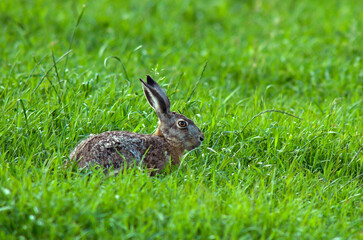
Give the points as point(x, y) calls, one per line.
point(201, 138)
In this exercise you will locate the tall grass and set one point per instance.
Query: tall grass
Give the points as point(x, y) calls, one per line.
point(68, 71)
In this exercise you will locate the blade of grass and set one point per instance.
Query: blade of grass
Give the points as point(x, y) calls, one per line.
point(46, 74)
point(72, 37)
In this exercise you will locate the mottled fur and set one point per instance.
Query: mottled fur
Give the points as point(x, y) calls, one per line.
point(115, 148)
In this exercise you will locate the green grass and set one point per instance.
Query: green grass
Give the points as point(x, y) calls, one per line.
point(273, 177)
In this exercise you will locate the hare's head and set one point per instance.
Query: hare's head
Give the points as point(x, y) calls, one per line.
point(177, 129)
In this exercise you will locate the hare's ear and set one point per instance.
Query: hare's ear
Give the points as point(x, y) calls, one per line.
point(151, 82)
point(156, 96)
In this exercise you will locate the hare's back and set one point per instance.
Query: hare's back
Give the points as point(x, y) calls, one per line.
point(110, 149)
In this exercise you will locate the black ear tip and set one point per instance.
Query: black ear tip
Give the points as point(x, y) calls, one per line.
point(150, 80)
point(141, 80)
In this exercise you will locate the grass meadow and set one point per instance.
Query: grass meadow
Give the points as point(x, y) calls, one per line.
point(235, 67)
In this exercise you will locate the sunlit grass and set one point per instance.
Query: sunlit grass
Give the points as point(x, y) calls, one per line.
point(259, 176)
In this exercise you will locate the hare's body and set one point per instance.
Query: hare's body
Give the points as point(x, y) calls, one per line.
point(175, 133)
point(114, 149)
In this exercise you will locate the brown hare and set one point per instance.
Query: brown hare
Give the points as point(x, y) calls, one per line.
point(174, 134)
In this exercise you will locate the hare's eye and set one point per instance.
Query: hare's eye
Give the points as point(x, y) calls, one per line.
point(182, 123)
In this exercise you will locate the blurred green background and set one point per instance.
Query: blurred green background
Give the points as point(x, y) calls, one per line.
point(222, 63)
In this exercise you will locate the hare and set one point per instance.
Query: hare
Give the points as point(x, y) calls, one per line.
point(174, 134)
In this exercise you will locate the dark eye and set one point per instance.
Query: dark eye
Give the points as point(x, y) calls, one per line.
point(182, 123)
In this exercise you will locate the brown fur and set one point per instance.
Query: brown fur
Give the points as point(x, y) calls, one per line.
point(115, 148)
